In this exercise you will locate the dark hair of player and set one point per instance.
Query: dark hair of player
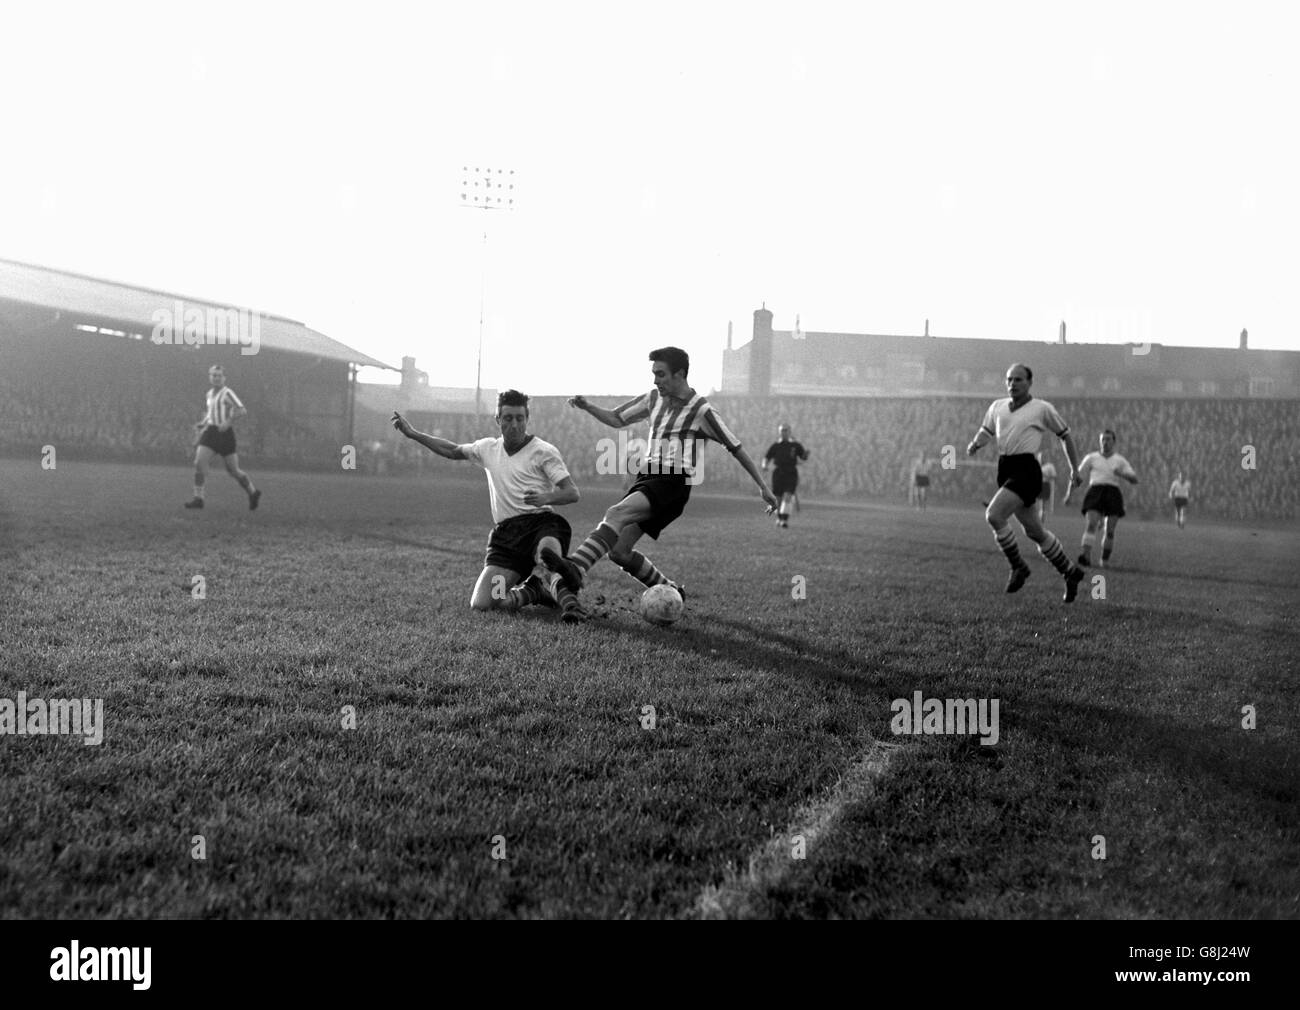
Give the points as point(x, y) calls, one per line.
point(1111, 433)
point(675, 358)
point(512, 398)
point(1029, 372)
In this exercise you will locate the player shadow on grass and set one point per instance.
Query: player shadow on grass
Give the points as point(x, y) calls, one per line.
point(423, 545)
point(783, 655)
point(1244, 764)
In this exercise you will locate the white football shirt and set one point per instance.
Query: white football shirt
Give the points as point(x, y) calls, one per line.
point(1106, 470)
point(1021, 430)
point(538, 466)
point(1180, 489)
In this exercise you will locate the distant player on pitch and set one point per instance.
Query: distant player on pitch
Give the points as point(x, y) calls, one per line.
point(784, 456)
point(679, 419)
point(526, 477)
point(1018, 424)
point(921, 479)
point(1181, 493)
point(216, 437)
point(1104, 501)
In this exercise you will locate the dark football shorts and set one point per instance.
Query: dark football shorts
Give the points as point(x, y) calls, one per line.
point(922, 480)
point(1180, 503)
point(220, 442)
point(1021, 474)
point(1104, 499)
point(513, 542)
point(668, 494)
point(785, 481)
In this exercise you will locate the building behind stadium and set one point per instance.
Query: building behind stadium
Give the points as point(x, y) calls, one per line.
point(795, 363)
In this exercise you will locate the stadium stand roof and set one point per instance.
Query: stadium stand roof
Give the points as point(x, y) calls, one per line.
point(104, 302)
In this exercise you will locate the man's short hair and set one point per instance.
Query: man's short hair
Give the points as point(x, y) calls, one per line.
point(511, 398)
point(675, 358)
point(1029, 372)
point(216, 368)
point(1111, 433)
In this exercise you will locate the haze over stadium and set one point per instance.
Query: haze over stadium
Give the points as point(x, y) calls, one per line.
point(993, 170)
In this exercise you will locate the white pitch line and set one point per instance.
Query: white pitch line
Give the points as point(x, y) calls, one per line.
point(771, 862)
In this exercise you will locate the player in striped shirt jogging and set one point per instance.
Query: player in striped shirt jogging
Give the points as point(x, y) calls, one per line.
point(1018, 423)
point(679, 419)
point(216, 437)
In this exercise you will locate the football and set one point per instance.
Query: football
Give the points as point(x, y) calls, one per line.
point(661, 605)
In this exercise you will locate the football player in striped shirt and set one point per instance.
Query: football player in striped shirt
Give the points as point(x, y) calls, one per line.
point(1104, 501)
point(679, 420)
point(216, 437)
point(1018, 424)
point(526, 477)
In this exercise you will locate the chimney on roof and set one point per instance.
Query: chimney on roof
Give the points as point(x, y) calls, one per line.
point(927, 327)
point(728, 334)
point(760, 354)
point(1243, 339)
point(412, 376)
point(1061, 338)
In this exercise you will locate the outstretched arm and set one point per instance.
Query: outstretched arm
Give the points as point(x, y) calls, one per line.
point(443, 447)
point(1072, 454)
point(742, 457)
point(599, 413)
point(1078, 473)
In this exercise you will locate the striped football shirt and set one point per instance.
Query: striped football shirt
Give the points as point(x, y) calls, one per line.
point(675, 428)
point(221, 405)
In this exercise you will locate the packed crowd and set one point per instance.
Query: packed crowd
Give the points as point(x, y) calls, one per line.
point(91, 399)
point(1242, 456)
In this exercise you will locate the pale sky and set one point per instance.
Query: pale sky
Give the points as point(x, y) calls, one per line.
point(993, 167)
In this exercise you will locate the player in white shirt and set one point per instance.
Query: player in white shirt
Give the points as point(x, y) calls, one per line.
point(526, 477)
point(1103, 471)
point(1181, 492)
point(1018, 424)
point(216, 437)
point(1048, 495)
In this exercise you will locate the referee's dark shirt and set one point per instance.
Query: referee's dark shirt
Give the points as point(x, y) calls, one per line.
point(785, 455)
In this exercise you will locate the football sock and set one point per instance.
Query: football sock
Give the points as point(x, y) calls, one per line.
point(596, 546)
point(1006, 539)
point(551, 581)
point(525, 594)
point(246, 483)
point(642, 568)
point(1050, 548)
point(1107, 547)
point(1088, 542)
point(198, 490)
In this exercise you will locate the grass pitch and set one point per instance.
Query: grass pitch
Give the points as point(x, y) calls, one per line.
point(482, 736)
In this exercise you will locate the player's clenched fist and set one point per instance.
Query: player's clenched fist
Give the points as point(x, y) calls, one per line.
point(578, 401)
